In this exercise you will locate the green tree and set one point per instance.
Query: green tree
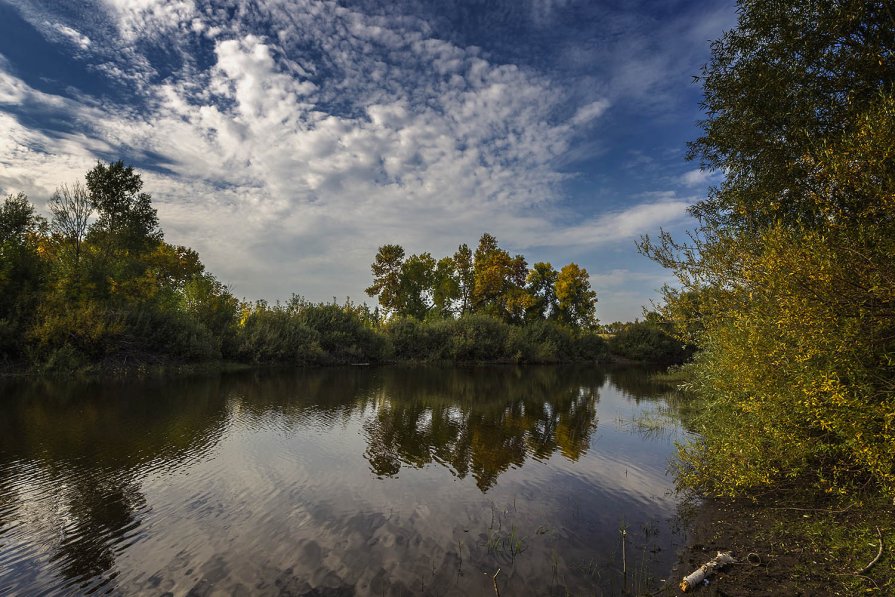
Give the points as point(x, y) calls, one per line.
point(417, 279)
point(541, 285)
point(126, 219)
point(386, 284)
point(781, 90)
point(499, 282)
point(788, 285)
point(22, 271)
point(463, 266)
point(446, 290)
point(576, 302)
point(124, 233)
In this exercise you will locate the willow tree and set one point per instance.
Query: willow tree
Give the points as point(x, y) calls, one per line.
point(788, 283)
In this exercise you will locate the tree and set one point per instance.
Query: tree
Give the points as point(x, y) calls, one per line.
point(541, 285)
point(127, 219)
point(499, 281)
point(576, 302)
point(446, 290)
point(125, 232)
point(417, 279)
point(22, 271)
point(788, 283)
point(386, 270)
point(465, 278)
point(71, 209)
point(781, 90)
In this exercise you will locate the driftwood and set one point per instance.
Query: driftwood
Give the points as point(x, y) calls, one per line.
point(706, 570)
point(879, 554)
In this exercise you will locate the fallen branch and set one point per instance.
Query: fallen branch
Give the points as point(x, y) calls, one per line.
point(494, 581)
point(706, 570)
point(879, 554)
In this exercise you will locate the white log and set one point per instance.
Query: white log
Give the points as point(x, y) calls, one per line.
point(707, 569)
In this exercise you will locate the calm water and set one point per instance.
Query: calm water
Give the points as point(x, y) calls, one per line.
point(368, 481)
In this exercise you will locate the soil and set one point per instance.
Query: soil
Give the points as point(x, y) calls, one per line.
point(785, 550)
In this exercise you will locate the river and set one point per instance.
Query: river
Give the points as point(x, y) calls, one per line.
point(344, 481)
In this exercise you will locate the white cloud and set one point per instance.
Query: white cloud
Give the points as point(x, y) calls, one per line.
point(696, 178)
point(82, 41)
point(286, 173)
point(626, 224)
point(589, 112)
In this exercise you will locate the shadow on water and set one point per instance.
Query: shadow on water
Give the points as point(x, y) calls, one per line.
point(366, 480)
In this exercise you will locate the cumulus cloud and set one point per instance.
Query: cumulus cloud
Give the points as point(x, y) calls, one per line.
point(286, 141)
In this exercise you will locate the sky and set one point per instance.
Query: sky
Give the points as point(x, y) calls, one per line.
point(286, 140)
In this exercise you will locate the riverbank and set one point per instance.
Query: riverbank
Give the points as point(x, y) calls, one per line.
point(791, 544)
point(789, 538)
point(156, 367)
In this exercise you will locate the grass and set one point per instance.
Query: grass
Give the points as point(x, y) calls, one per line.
point(509, 544)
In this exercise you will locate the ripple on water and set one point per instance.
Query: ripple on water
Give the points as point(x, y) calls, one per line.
point(365, 482)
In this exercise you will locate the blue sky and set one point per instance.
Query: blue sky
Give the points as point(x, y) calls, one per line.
point(287, 140)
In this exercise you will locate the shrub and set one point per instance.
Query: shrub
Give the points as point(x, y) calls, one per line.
point(645, 341)
point(415, 340)
point(478, 338)
point(274, 336)
point(341, 333)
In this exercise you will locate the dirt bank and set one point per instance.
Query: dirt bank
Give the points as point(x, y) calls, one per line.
point(787, 546)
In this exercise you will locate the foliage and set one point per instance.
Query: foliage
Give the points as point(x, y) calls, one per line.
point(650, 342)
point(416, 340)
point(22, 272)
point(478, 337)
point(387, 277)
point(788, 285)
point(489, 281)
point(274, 335)
point(342, 334)
point(541, 284)
point(99, 286)
point(575, 301)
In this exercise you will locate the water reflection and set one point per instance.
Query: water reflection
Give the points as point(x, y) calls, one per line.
point(72, 458)
point(481, 422)
point(367, 481)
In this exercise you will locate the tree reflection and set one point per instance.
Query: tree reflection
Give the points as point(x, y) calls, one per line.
point(74, 456)
point(480, 422)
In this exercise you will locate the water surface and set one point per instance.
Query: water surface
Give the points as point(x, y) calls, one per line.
point(367, 481)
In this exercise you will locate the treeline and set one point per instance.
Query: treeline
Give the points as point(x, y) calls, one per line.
point(488, 281)
point(97, 286)
point(788, 284)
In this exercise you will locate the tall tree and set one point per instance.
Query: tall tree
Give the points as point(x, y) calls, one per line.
point(576, 302)
point(71, 209)
point(541, 285)
point(386, 284)
point(782, 88)
point(417, 279)
point(22, 271)
point(446, 289)
point(788, 285)
point(499, 281)
point(124, 234)
point(126, 219)
point(463, 265)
